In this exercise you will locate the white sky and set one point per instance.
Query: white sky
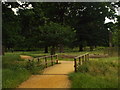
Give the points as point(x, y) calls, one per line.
point(106, 19)
point(117, 13)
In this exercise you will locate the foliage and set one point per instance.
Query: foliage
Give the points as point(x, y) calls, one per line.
point(54, 34)
point(58, 20)
point(34, 67)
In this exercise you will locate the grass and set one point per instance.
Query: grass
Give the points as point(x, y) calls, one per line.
point(88, 81)
point(15, 70)
point(100, 73)
point(29, 53)
point(67, 51)
point(12, 78)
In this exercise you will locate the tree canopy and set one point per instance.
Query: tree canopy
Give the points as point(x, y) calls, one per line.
point(58, 23)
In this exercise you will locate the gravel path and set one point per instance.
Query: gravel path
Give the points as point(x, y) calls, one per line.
point(52, 77)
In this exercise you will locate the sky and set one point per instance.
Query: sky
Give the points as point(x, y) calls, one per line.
point(106, 19)
point(117, 13)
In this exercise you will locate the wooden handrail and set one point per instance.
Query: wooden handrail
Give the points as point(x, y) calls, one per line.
point(82, 58)
point(45, 59)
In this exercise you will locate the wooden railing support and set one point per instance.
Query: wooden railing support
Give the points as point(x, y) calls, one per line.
point(51, 60)
point(38, 60)
point(46, 62)
point(75, 65)
point(82, 58)
point(80, 61)
point(56, 59)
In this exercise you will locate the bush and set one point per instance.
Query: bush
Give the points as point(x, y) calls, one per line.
point(34, 67)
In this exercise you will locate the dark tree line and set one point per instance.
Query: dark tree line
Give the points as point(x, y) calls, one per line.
point(56, 25)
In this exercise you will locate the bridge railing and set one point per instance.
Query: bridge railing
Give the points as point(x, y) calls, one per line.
point(79, 60)
point(44, 60)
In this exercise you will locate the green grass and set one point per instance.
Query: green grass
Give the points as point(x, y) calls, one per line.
point(12, 78)
point(100, 73)
point(15, 70)
point(84, 80)
point(29, 53)
point(67, 51)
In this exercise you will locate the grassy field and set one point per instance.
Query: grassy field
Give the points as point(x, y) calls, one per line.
point(97, 73)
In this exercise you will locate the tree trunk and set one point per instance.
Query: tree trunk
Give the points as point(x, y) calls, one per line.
point(61, 48)
point(91, 48)
point(46, 49)
point(80, 48)
point(110, 39)
point(53, 50)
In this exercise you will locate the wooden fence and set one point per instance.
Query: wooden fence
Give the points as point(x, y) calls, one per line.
point(44, 60)
point(79, 60)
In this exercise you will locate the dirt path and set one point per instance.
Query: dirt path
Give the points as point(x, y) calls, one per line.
point(26, 57)
point(53, 77)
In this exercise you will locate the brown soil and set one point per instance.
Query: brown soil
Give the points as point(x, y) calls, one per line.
point(52, 77)
point(98, 55)
point(67, 56)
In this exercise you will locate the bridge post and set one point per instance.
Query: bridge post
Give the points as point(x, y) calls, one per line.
point(75, 64)
point(88, 57)
point(38, 59)
point(81, 61)
point(82, 58)
point(56, 59)
point(46, 62)
point(51, 60)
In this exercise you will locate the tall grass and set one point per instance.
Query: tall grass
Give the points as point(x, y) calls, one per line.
point(15, 70)
point(101, 73)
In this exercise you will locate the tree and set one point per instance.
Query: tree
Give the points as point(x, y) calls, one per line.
point(89, 22)
point(53, 34)
point(10, 27)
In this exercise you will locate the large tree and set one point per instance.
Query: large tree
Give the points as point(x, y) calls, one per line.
point(54, 34)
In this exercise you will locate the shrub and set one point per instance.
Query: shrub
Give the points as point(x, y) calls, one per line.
point(34, 67)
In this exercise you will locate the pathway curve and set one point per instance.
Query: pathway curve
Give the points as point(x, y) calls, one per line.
point(52, 77)
point(26, 57)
